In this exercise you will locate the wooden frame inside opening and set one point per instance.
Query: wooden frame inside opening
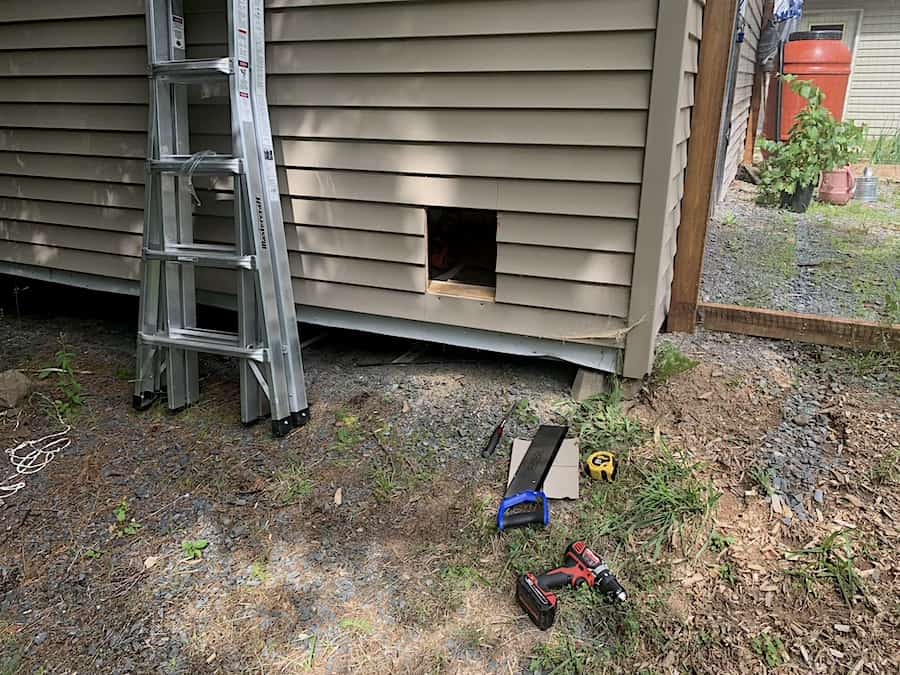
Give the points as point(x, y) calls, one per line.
point(462, 252)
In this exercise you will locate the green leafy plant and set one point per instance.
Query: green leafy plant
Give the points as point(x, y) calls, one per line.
point(193, 549)
point(125, 526)
point(355, 625)
point(727, 574)
point(817, 143)
point(770, 649)
point(719, 542)
point(669, 362)
point(93, 553)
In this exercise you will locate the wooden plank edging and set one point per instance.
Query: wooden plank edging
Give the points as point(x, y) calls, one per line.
point(809, 328)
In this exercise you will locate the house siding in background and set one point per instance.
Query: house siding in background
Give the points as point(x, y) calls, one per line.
point(537, 109)
point(874, 96)
point(743, 90)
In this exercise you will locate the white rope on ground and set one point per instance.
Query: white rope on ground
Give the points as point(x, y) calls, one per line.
point(29, 457)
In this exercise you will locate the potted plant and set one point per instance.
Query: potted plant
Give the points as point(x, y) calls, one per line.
point(818, 143)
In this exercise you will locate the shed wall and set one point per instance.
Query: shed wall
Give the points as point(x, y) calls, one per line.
point(535, 109)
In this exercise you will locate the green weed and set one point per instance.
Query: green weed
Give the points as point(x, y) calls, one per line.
point(348, 432)
point(524, 414)
point(831, 561)
point(258, 571)
point(884, 148)
point(885, 471)
point(562, 655)
point(193, 549)
point(363, 626)
point(125, 525)
point(93, 554)
point(764, 479)
point(719, 542)
point(67, 384)
point(727, 574)
point(730, 220)
point(669, 362)
point(770, 649)
point(462, 577)
point(600, 423)
point(291, 484)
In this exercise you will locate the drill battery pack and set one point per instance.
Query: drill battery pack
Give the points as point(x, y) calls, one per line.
point(540, 604)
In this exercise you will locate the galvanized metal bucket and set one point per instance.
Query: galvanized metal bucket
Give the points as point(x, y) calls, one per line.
point(867, 187)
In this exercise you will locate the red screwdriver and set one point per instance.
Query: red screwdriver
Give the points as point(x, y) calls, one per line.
point(494, 440)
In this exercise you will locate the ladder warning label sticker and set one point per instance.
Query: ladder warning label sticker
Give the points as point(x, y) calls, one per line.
point(177, 32)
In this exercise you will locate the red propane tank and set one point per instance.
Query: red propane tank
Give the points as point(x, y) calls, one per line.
point(821, 58)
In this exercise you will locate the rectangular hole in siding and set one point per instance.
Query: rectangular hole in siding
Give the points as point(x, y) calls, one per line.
point(462, 252)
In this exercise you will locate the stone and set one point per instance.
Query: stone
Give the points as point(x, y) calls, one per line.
point(14, 387)
point(819, 496)
point(802, 419)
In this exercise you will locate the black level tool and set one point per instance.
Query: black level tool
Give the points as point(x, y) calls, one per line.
point(491, 446)
point(527, 486)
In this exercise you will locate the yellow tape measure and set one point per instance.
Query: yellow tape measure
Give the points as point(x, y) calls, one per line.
point(601, 466)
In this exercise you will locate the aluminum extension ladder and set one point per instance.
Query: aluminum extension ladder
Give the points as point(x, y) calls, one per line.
point(267, 343)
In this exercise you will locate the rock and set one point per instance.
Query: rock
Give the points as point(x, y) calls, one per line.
point(40, 638)
point(14, 387)
point(802, 419)
point(819, 496)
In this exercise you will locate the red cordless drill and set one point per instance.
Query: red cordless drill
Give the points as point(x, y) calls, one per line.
point(582, 566)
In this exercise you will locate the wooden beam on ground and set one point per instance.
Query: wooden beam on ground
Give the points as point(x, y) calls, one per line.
point(810, 328)
point(709, 100)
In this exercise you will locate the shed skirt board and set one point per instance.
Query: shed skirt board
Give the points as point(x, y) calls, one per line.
point(597, 357)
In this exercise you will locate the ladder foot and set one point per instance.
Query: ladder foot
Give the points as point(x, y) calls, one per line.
point(282, 427)
point(300, 418)
point(144, 400)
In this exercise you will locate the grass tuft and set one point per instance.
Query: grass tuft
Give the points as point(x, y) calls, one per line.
point(671, 494)
point(291, 484)
point(830, 561)
point(600, 423)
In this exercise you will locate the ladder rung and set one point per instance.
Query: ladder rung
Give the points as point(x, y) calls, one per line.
point(192, 70)
point(210, 255)
point(206, 341)
point(211, 165)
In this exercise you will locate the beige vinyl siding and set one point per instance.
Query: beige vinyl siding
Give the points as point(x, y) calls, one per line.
point(534, 109)
point(73, 117)
point(743, 91)
point(874, 96)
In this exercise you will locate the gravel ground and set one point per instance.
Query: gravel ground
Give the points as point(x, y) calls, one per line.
point(831, 261)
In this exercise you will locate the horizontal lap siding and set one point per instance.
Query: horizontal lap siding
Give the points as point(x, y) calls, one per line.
point(743, 91)
point(874, 95)
point(534, 108)
point(73, 118)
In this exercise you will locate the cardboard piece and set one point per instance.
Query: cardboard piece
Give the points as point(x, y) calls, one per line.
point(562, 481)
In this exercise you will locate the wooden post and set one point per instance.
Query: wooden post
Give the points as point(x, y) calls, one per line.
point(759, 82)
point(709, 96)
